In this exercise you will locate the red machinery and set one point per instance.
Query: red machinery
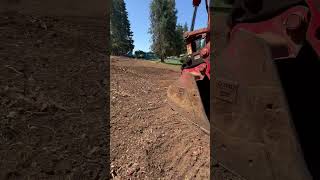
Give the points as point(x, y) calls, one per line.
point(265, 91)
point(264, 111)
point(191, 94)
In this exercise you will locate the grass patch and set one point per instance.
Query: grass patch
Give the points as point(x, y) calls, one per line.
point(175, 62)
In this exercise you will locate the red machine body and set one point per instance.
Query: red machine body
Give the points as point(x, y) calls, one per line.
point(191, 93)
point(265, 92)
point(203, 69)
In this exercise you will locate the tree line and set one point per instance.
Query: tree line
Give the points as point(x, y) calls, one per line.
point(166, 35)
point(121, 34)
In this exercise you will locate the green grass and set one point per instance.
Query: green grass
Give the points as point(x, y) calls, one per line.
point(175, 62)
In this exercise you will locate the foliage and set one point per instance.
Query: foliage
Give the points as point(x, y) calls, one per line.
point(180, 45)
point(167, 37)
point(121, 35)
point(139, 54)
point(185, 27)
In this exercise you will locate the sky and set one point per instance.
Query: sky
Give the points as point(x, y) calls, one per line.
point(138, 14)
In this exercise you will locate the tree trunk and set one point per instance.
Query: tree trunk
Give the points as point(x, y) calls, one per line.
point(162, 59)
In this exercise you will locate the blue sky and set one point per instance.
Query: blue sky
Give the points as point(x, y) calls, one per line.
point(138, 12)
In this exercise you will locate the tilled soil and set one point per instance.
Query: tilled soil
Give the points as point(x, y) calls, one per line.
point(53, 109)
point(150, 140)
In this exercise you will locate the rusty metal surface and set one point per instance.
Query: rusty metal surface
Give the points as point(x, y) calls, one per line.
point(195, 33)
point(252, 11)
point(184, 96)
point(313, 34)
point(276, 28)
point(251, 128)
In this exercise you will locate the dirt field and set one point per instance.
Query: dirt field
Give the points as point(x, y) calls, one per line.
point(52, 98)
point(149, 140)
point(53, 108)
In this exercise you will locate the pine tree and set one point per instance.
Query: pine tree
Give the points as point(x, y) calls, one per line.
point(185, 27)
point(180, 43)
point(163, 17)
point(121, 35)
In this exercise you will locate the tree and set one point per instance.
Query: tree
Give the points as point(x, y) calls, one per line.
point(140, 54)
point(163, 17)
point(121, 35)
point(185, 27)
point(181, 47)
point(180, 44)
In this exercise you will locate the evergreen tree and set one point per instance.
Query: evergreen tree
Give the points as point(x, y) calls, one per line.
point(163, 17)
point(185, 27)
point(180, 43)
point(121, 35)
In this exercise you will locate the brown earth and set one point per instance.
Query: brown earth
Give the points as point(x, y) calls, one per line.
point(53, 108)
point(52, 98)
point(149, 140)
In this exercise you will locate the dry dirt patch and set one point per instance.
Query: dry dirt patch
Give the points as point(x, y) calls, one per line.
point(149, 140)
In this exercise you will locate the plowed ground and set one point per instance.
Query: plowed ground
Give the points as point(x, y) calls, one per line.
point(52, 98)
point(150, 140)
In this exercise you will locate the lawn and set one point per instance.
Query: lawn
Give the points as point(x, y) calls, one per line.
point(173, 61)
